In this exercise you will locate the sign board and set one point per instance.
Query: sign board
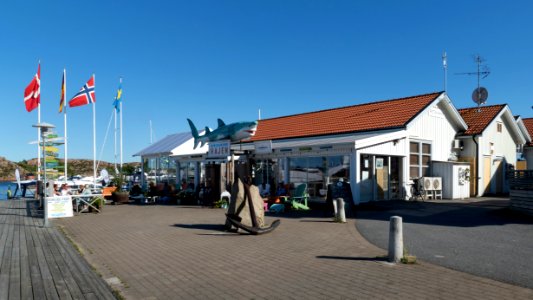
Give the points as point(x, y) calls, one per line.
point(379, 163)
point(263, 147)
point(59, 207)
point(218, 149)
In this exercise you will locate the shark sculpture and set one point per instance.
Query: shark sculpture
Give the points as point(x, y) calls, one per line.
point(235, 132)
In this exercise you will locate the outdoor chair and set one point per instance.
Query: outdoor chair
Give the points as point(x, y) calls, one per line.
point(298, 199)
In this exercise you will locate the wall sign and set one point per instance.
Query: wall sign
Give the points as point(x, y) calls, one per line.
point(219, 149)
point(379, 163)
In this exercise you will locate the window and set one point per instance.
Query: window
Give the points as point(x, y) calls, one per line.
point(499, 127)
point(318, 171)
point(419, 159)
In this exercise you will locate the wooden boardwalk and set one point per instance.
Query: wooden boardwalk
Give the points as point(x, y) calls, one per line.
point(38, 262)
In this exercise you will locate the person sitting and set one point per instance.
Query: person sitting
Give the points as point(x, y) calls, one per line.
point(264, 189)
point(136, 190)
point(65, 191)
point(152, 190)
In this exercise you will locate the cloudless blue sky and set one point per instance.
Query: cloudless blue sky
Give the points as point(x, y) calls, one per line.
point(227, 59)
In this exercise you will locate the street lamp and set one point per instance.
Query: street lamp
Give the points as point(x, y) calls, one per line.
point(45, 128)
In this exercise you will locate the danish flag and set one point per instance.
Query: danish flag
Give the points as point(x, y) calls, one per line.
point(85, 95)
point(32, 93)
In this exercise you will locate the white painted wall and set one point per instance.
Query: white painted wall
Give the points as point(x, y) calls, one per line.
point(433, 125)
point(504, 148)
point(390, 148)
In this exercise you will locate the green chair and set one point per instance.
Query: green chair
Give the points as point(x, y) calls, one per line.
point(299, 198)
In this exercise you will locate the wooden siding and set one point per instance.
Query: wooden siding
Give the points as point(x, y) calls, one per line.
point(389, 148)
point(433, 125)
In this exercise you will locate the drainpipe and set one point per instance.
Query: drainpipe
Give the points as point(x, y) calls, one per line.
point(477, 165)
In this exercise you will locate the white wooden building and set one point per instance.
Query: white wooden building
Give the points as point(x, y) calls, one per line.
point(378, 146)
point(490, 145)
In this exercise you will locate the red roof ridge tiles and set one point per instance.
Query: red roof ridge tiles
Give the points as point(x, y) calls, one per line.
point(380, 115)
point(528, 122)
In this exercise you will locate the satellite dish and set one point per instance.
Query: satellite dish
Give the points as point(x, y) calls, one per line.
point(480, 95)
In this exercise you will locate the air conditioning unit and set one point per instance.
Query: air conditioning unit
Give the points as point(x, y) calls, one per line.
point(437, 183)
point(426, 183)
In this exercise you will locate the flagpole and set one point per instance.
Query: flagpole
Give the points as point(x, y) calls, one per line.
point(39, 131)
point(121, 126)
point(115, 132)
point(120, 135)
point(65, 119)
point(94, 136)
point(39, 141)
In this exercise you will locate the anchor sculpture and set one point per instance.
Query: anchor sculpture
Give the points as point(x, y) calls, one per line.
point(246, 210)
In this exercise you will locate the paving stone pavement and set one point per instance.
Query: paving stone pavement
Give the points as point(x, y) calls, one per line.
point(178, 252)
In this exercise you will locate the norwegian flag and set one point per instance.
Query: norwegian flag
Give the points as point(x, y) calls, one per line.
point(85, 95)
point(32, 93)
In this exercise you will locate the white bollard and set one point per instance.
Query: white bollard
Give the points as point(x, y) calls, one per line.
point(341, 215)
point(395, 239)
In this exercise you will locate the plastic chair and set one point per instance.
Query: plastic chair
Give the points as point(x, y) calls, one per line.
point(299, 198)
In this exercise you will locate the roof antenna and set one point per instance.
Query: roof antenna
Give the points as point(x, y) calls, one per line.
point(480, 94)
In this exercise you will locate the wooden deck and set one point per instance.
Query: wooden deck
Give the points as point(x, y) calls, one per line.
point(38, 262)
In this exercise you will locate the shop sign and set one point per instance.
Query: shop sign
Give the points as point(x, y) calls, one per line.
point(263, 147)
point(219, 149)
point(59, 207)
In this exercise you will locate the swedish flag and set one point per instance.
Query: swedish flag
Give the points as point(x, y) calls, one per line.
point(118, 97)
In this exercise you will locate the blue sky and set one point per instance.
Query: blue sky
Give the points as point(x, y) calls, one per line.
point(227, 59)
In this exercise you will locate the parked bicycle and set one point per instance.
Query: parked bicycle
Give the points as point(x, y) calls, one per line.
point(417, 191)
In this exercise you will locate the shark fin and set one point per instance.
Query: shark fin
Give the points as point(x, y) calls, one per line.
point(221, 123)
point(207, 130)
point(194, 133)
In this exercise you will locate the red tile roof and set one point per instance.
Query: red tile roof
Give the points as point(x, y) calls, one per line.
point(357, 118)
point(478, 119)
point(529, 126)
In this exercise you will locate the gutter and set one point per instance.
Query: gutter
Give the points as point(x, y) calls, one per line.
point(477, 164)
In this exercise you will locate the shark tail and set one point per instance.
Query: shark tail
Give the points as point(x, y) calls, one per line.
point(194, 132)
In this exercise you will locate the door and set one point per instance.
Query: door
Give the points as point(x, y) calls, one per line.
point(498, 177)
point(395, 172)
point(486, 173)
point(382, 177)
point(366, 178)
point(211, 189)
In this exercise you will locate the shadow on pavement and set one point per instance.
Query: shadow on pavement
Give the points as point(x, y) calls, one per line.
point(353, 258)
point(471, 214)
point(211, 227)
